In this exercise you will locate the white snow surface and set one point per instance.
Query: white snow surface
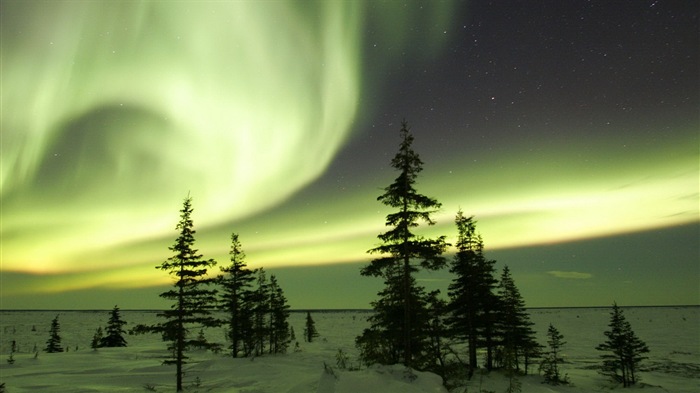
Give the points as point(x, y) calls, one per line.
point(672, 334)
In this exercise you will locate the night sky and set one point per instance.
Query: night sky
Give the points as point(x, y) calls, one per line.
point(570, 130)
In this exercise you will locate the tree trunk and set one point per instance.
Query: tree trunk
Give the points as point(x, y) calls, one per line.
point(472, 355)
point(180, 342)
point(407, 314)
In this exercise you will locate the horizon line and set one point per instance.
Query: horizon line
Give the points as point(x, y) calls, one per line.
point(335, 309)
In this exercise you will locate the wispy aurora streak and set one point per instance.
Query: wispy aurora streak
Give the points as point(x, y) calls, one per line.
point(113, 111)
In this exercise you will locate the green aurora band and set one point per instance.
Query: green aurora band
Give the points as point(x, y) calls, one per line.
point(113, 111)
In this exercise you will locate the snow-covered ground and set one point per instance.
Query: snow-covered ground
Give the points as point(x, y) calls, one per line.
point(672, 333)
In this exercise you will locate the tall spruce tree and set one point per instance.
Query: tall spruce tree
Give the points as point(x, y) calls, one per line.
point(403, 253)
point(235, 296)
point(53, 344)
point(472, 299)
point(115, 331)
point(193, 302)
point(515, 329)
point(624, 350)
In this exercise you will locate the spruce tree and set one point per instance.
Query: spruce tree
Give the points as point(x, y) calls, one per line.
point(235, 296)
point(260, 310)
point(624, 350)
point(310, 332)
point(13, 349)
point(192, 301)
point(552, 358)
point(472, 298)
point(279, 315)
point(114, 337)
point(437, 333)
point(514, 326)
point(402, 254)
point(384, 341)
point(247, 326)
point(53, 344)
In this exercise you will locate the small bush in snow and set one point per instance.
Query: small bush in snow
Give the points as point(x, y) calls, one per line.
point(341, 359)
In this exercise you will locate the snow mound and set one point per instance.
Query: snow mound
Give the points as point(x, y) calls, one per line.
point(380, 379)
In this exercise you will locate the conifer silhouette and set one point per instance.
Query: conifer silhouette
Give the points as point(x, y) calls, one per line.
point(115, 331)
point(473, 301)
point(310, 332)
point(192, 302)
point(399, 327)
point(53, 344)
point(623, 350)
point(518, 344)
point(236, 298)
point(552, 358)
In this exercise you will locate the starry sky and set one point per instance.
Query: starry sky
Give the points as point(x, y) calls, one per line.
point(570, 130)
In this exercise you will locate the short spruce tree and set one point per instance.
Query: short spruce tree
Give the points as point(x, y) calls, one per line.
point(115, 331)
point(518, 344)
point(552, 358)
point(279, 316)
point(623, 350)
point(97, 338)
point(310, 332)
point(53, 344)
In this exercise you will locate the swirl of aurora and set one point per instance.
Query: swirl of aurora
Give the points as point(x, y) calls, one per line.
point(141, 102)
point(113, 111)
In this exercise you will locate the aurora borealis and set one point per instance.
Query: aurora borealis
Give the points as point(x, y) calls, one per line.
point(569, 130)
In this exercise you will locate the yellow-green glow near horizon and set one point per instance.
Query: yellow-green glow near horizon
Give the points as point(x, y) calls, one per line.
point(540, 213)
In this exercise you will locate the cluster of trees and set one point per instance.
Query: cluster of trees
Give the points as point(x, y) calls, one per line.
point(115, 332)
point(409, 326)
point(256, 315)
point(417, 329)
point(413, 327)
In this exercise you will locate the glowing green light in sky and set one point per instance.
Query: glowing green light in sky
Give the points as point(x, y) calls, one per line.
point(113, 111)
